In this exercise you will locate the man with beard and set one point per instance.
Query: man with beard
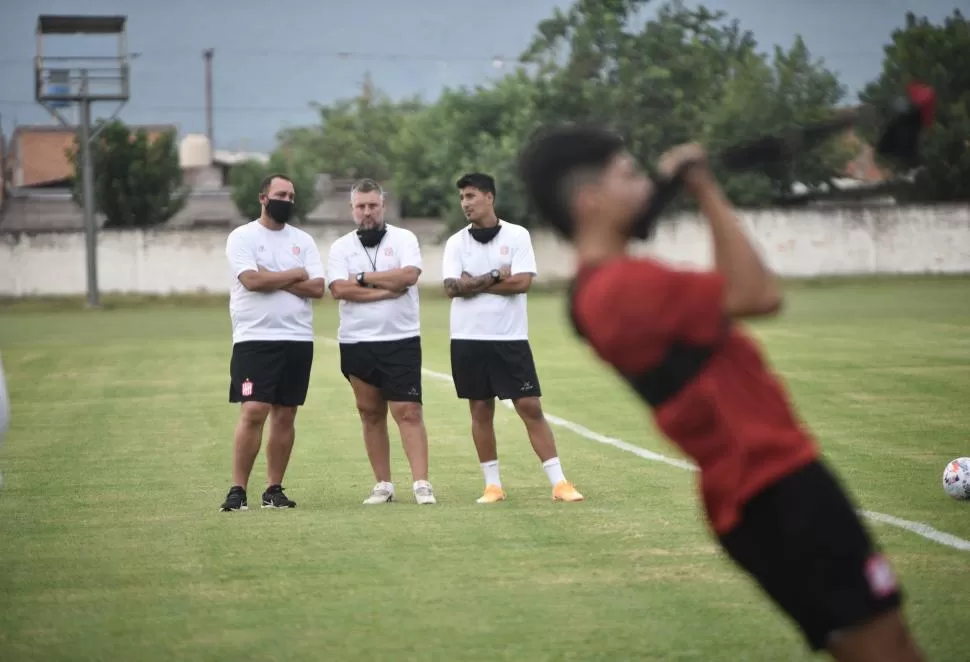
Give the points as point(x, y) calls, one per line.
point(373, 272)
point(488, 267)
point(276, 270)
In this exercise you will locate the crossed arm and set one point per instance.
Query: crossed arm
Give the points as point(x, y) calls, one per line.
point(313, 288)
point(295, 281)
point(378, 285)
point(469, 286)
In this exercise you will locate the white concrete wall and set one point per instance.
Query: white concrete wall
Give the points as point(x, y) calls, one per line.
point(806, 243)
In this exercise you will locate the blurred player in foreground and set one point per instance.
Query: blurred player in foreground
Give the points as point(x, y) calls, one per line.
point(773, 505)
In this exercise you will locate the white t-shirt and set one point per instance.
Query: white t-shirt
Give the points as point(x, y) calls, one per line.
point(388, 319)
point(489, 316)
point(276, 315)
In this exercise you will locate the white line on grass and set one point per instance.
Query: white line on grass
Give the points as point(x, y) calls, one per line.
point(919, 528)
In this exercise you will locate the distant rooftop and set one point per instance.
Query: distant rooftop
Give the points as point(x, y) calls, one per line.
point(229, 157)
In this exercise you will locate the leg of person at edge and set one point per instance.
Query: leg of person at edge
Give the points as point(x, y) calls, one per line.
point(488, 267)
point(771, 502)
point(373, 272)
point(4, 410)
point(276, 274)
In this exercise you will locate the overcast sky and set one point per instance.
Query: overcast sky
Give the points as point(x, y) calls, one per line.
point(273, 58)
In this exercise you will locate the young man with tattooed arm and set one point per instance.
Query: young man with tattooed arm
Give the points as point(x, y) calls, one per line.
point(487, 269)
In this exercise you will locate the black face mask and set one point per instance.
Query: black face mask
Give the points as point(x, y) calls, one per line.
point(484, 235)
point(371, 236)
point(279, 210)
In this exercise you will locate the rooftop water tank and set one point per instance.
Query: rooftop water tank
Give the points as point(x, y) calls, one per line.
point(195, 151)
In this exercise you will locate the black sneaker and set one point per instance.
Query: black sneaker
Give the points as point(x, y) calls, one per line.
point(235, 500)
point(273, 497)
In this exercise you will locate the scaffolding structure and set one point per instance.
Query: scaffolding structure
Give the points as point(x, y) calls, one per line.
point(61, 82)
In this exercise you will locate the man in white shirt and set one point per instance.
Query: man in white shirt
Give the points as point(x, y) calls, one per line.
point(373, 272)
point(488, 267)
point(276, 270)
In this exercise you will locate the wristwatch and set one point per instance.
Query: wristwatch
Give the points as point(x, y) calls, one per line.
point(496, 275)
point(360, 278)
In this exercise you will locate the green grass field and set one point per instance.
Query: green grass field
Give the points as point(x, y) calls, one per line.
point(112, 546)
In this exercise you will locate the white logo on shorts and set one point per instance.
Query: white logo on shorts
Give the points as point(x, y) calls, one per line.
point(880, 576)
point(247, 388)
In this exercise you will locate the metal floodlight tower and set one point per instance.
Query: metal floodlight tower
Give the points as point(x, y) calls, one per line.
point(63, 81)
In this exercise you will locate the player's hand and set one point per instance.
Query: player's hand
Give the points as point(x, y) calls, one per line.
point(505, 271)
point(692, 155)
point(299, 273)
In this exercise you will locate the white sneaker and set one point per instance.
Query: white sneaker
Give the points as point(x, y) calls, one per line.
point(383, 492)
point(423, 492)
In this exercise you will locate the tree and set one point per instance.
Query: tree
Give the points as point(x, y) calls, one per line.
point(137, 180)
point(938, 55)
point(352, 139)
point(246, 177)
point(688, 74)
point(762, 97)
point(654, 81)
point(244, 181)
point(466, 130)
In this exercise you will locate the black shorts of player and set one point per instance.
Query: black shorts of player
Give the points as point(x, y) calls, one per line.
point(486, 369)
point(272, 371)
point(393, 366)
point(803, 542)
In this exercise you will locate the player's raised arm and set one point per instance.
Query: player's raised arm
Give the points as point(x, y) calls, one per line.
point(750, 289)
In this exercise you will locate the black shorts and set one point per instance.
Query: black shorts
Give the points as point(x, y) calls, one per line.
point(272, 371)
point(393, 366)
point(486, 369)
point(803, 542)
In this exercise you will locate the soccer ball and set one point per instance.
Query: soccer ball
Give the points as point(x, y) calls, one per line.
point(956, 478)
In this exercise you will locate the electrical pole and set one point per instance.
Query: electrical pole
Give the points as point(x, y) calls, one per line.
point(207, 56)
point(87, 183)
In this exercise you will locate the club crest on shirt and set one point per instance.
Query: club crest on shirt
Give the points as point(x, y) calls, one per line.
point(504, 250)
point(296, 250)
point(389, 251)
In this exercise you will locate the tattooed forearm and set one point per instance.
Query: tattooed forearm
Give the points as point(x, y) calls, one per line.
point(451, 287)
point(467, 286)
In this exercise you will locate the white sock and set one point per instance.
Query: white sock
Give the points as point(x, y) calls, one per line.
point(491, 473)
point(553, 470)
